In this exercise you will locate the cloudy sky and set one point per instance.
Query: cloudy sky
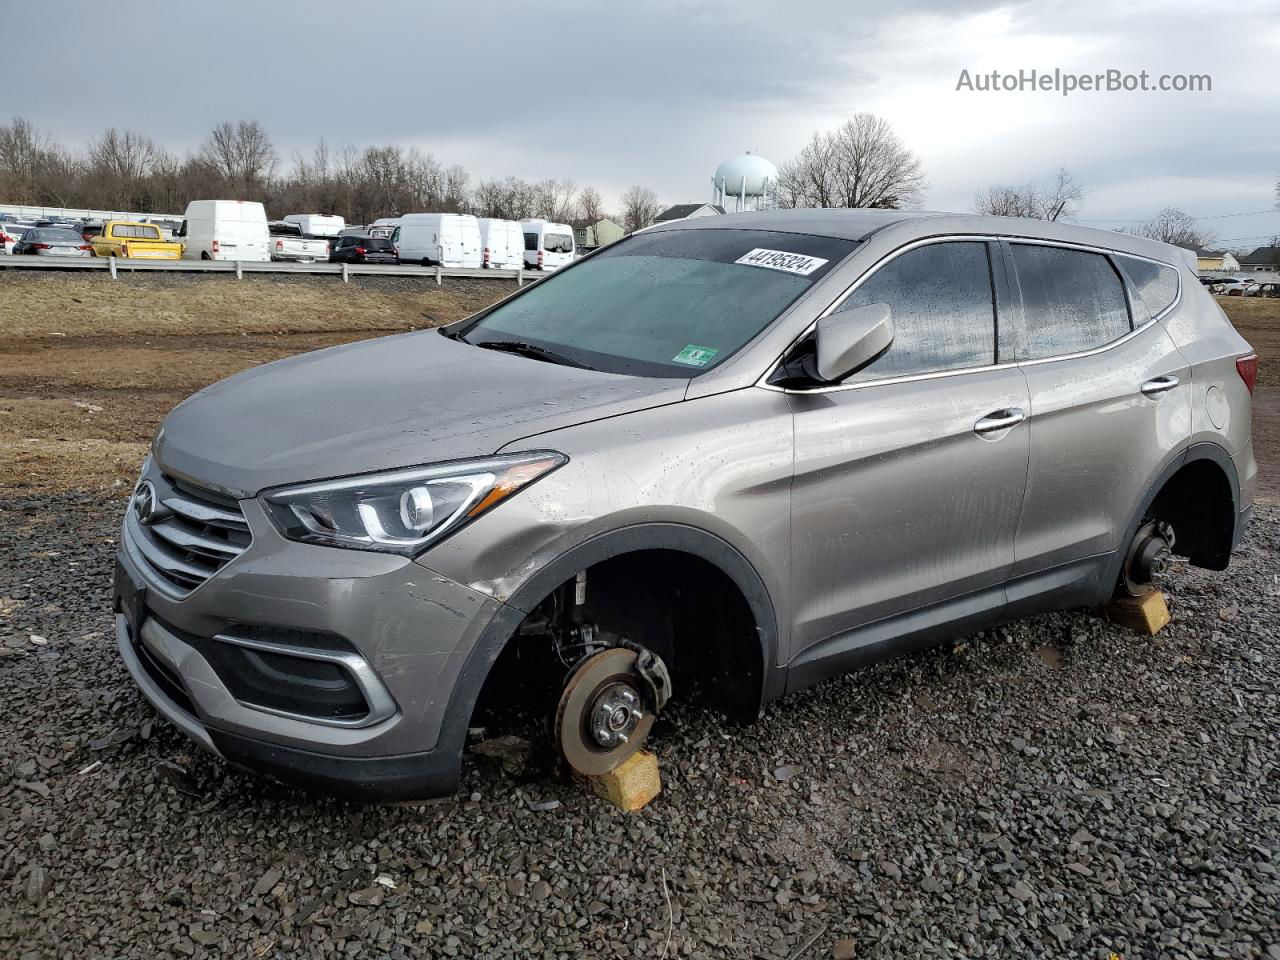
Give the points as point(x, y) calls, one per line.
point(659, 92)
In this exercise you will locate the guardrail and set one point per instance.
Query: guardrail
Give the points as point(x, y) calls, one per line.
point(115, 266)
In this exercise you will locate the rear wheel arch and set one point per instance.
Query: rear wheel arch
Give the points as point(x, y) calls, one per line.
point(1198, 494)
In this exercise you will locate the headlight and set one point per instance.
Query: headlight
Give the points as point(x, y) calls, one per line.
point(403, 511)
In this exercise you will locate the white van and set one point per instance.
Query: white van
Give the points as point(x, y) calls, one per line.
point(317, 224)
point(448, 239)
point(224, 230)
point(502, 244)
point(547, 246)
point(384, 227)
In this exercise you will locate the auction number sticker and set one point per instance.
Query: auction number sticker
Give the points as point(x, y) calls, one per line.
point(695, 356)
point(799, 263)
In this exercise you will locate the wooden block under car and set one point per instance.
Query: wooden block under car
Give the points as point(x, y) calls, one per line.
point(1146, 614)
point(633, 784)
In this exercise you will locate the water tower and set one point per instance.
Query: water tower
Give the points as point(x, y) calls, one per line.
point(751, 180)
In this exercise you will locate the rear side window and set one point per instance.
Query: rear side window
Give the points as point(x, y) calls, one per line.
point(378, 243)
point(531, 241)
point(943, 310)
point(1073, 300)
point(134, 231)
point(1156, 283)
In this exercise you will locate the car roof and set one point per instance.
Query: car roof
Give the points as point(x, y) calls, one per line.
point(860, 224)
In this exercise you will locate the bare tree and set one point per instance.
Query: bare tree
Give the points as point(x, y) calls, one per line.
point(243, 154)
point(119, 165)
point(1175, 226)
point(590, 206)
point(862, 163)
point(1058, 200)
point(639, 207)
point(33, 168)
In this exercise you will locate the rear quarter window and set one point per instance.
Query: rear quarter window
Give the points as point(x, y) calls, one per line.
point(1072, 300)
point(1156, 283)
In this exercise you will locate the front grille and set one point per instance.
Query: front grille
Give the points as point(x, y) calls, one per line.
point(198, 534)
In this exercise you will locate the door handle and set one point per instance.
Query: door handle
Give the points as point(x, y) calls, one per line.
point(999, 420)
point(1159, 385)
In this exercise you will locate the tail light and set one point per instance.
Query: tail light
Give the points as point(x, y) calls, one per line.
point(359, 251)
point(84, 246)
point(486, 254)
point(213, 247)
point(279, 244)
point(539, 258)
point(1247, 367)
point(41, 246)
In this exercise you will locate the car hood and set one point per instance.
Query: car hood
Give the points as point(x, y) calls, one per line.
point(383, 404)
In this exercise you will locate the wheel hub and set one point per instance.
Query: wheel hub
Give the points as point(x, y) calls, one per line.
point(1148, 558)
point(615, 715)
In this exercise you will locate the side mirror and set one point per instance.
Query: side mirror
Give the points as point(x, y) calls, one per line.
point(850, 339)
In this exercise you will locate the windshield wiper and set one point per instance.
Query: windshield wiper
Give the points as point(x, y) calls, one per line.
point(529, 350)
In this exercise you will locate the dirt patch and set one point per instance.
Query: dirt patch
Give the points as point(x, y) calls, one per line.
point(1258, 321)
point(149, 305)
point(90, 366)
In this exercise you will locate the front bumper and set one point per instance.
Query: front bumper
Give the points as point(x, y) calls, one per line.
point(414, 634)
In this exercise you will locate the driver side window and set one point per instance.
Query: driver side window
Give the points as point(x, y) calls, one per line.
point(943, 310)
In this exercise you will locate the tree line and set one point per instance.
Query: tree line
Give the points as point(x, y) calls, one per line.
point(126, 170)
point(861, 163)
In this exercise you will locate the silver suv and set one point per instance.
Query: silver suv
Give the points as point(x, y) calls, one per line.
point(721, 459)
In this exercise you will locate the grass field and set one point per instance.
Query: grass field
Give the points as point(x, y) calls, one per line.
point(90, 366)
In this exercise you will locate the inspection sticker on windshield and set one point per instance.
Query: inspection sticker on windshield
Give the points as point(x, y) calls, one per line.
point(800, 263)
point(694, 355)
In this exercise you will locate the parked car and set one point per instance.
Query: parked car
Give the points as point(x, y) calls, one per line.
point(127, 239)
point(1223, 285)
point(9, 236)
point(319, 225)
point(547, 246)
point(446, 239)
point(52, 242)
point(224, 230)
point(13, 231)
point(364, 250)
point(383, 227)
point(1245, 288)
point(288, 243)
point(502, 243)
point(91, 228)
point(732, 455)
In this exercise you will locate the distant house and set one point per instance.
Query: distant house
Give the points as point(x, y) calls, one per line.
point(688, 211)
point(1262, 260)
point(1216, 261)
point(598, 234)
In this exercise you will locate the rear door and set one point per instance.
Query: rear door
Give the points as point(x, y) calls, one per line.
point(1110, 405)
point(909, 475)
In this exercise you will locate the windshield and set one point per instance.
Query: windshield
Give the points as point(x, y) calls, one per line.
point(671, 303)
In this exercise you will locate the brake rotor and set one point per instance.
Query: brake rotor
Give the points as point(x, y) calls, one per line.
point(1148, 558)
point(602, 717)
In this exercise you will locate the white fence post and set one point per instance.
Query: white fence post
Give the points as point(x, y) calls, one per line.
point(344, 272)
point(239, 275)
point(113, 267)
point(520, 276)
point(437, 274)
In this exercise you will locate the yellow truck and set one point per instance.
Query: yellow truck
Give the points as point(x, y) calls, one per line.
point(124, 238)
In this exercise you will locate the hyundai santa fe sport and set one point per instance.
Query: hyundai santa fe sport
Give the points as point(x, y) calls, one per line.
point(718, 460)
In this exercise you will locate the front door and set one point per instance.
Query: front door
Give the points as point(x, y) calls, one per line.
point(909, 475)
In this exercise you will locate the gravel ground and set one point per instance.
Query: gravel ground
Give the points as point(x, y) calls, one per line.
point(1059, 788)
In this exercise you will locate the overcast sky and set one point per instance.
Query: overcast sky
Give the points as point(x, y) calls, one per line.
point(659, 93)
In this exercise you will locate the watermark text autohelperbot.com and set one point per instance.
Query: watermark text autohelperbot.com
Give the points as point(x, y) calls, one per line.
point(1065, 82)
